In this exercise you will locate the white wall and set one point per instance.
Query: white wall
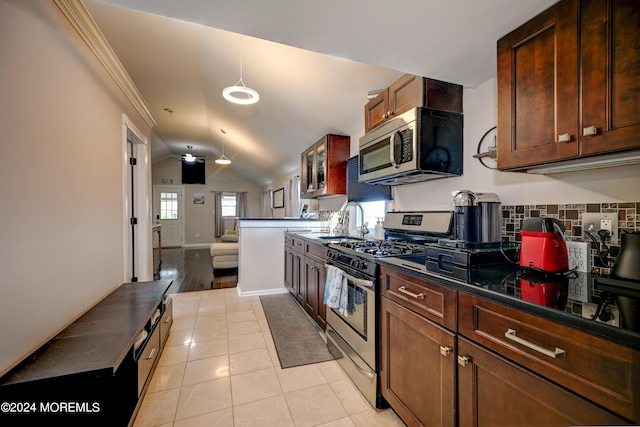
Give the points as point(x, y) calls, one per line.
point(199, 217)
point(61, 215)
point(618, 184)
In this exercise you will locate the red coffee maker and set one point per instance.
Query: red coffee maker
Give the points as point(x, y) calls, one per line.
point(543, 246)
point(544, 261)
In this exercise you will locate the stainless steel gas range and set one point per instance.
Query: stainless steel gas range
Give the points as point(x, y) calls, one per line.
point(353, 330)
point(422, 241)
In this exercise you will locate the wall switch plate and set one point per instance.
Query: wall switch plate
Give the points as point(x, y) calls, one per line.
point(594, 221)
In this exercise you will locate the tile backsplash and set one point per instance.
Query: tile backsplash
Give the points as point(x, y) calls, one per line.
point(628, 215)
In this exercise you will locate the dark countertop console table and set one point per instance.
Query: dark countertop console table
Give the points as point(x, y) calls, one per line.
point(96, 371)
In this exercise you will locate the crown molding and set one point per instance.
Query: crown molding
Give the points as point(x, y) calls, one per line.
point(81, 20)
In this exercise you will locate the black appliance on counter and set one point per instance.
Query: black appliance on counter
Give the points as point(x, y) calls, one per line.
point(624, 283)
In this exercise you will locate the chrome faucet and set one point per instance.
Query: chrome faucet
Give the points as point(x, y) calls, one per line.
point(363, 228)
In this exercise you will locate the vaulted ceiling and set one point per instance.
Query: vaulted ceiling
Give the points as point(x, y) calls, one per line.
point(312, 62)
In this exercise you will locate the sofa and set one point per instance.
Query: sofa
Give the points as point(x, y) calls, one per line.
point(224, 255)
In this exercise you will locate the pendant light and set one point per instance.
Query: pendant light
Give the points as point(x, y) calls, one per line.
point(239, 93)
point(223, 160)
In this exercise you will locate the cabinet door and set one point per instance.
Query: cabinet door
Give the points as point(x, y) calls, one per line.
point(288, 268)
point(495, 392)
point(321, 313)
point(307, 183)
point(538, 89)
point(405, 93)
point(296, 270)
point(417, 367)
point(375, 111)
point(309, 298)
point(321, 165)
point(610, 43)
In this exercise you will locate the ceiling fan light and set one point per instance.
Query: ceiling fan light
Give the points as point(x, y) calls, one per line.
point(240, 94)
point(223, 160)
point(189, 158)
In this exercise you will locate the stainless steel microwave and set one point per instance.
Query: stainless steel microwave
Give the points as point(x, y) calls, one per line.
point(419, 145)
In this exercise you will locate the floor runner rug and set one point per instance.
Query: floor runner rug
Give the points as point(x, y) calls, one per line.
point(296, 336)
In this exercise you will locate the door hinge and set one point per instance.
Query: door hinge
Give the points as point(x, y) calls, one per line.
point(132, 161)
point(134, 221)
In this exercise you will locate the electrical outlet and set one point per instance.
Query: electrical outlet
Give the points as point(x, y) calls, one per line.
point(594, 221)
point(589, 309)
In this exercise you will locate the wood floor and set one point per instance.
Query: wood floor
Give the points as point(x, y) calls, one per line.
point(190, 270)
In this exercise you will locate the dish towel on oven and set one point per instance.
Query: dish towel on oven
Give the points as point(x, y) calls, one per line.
point(336, 290)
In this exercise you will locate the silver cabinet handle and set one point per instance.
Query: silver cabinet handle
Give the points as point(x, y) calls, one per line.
point(463, 360)
point(512, 335)
point(403, 289)
point(589, 131)
point(168, 319)
point(152, 353)
point(445, 351)
point(565, 137)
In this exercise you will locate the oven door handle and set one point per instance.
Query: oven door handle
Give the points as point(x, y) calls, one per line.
point(360, 282)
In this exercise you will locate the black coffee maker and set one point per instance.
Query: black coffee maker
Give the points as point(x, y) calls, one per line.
point(477, 219)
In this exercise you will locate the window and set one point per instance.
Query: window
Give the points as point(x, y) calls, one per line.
point(228, 205)
point(372, 212)
point(168, 205)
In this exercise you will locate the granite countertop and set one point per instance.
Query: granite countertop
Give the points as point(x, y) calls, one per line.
point(279, 219)
point(98, 340)
point(500, 284)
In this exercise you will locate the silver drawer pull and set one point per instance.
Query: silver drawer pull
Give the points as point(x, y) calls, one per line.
point(404, 290)
point(589, 131)
point(565, 137)
point(445, 351)
point(168, 319)
point(153, 352)
point(463, 360)
point(511, 334)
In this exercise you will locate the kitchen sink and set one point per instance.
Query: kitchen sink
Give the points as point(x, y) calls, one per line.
point(335, 237)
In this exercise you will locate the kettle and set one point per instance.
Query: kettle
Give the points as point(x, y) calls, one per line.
point(627, 265)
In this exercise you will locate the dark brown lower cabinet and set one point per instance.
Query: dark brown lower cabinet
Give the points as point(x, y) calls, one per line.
point(495, 392)
point(417, 371)
point(315, 274)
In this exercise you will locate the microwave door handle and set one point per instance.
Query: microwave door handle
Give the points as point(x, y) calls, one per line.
point(392, 154)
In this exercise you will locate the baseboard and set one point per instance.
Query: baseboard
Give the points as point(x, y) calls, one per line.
point(261, 292)
point(196, 245)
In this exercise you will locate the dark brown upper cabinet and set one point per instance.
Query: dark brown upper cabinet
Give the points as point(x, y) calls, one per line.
point(408, 92)
point(568, 84)
point(324, 167)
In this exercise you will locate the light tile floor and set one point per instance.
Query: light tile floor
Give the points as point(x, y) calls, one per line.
point(220, 368)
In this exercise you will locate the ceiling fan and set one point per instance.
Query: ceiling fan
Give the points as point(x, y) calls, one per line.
point(188, 157)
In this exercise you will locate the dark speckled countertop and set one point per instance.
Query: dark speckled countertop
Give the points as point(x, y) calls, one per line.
point(98, 340)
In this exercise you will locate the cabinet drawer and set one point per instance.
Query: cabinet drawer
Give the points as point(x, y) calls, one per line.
point(147, 358)
point(297, 244)
point(316, 249)
point(166, 321)
point(595, 368)
point(435, 302)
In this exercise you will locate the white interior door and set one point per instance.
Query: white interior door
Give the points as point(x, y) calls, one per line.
point(168, 204)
